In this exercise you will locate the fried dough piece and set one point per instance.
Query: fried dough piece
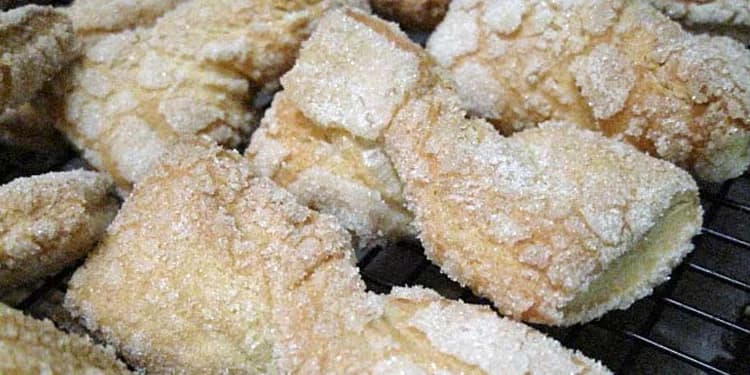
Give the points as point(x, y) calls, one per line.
point(35, 44)
point(30, 346)
point(721, 17)
point(177, 283)
point(47, 222)
point(555, 225)
point(619, 67)
point(95, 18)
point(193, 72)
point(412, 14)
point(412, 331)
point(331, 172)
point(207, 270)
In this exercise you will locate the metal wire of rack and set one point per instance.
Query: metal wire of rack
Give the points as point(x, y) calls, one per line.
point(698, 322)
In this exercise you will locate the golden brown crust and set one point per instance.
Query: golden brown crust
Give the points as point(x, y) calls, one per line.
point(331, 171)
point(209, 270)
point(530, 221)
point(36, 44)
point(556, 207)
point(49, 221)
point(95, 18)
point(30, 346)
point(475, 338)
point(412, 330)
point(618, 67)
point(180, 264)
point(412, 14)
point(192, 72)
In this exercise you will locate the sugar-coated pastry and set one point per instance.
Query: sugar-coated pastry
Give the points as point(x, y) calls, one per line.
point(208, 270)
point(49, 221)
point(30, 346)
point(194, 71)
point(618, 67)
point(332, 172)
point(555, 225)
point(96, 18)
point(176, 285)
point(721, 17)
point(36, 43)
point(412, 14)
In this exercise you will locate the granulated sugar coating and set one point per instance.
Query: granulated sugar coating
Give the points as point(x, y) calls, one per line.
point(175, 285)
point(94, 18)
point(331, 171)
point(555, 225)
point(35, 44)
point(30, 346)
point(49, 221)
point(619, 67)
point(193, 71)
point(208, 270)
point(722, 17)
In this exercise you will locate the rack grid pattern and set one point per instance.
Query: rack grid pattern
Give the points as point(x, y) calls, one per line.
point(698, 322)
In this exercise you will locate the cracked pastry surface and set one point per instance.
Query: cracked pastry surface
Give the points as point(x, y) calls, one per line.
point(30, 346)
point(49, 221)
point(193, 71)
point(619, 67)
point(722, 17)
point(412, 14)
point(181, 261)
point(555, 225)
point(332, 172)
point(36, 43)
point(205, 255)
point(96, 18)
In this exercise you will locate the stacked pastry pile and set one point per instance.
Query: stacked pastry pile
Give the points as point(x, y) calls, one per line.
point(530, 149)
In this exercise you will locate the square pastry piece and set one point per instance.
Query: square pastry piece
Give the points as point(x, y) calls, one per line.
point(209, 270)
point(153, 71)
point(618, 67)
point(30, 346)
point(555, 225)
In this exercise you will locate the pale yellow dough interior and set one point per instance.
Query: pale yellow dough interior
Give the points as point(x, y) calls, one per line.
point(636, 269)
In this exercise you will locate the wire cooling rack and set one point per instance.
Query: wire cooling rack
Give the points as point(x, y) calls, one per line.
point(697, 323)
